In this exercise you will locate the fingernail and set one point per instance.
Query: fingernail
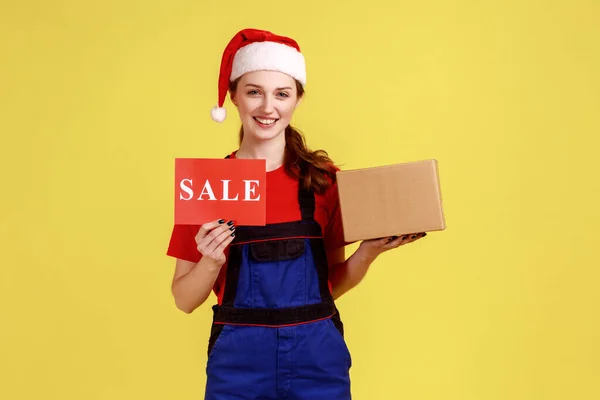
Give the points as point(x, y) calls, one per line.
point(233, 234)
point(413, 237)
point(393, 237)
point(221, 221)
point(404, 237)
point(230, 223)
point(232, 228)
point(424, 234)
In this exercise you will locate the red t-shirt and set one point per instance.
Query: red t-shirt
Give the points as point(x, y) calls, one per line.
point(281, 206)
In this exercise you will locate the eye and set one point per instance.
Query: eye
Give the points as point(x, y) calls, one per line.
point(284, 94)
point(253, 92)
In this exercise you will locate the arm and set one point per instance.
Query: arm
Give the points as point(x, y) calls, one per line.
point(193, 282)
point(346, 274)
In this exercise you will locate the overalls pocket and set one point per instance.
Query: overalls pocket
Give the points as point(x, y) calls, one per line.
point(217, 335)
point(277, 274)
point(339, 339)
point(278, 250)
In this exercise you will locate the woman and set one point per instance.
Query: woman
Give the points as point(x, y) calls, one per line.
point(276, 332)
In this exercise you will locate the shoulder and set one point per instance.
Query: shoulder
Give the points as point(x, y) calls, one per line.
point(330, 194)
point(329, 173)
point(331, 177)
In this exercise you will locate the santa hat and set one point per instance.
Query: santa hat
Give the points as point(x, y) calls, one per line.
point(257, 50)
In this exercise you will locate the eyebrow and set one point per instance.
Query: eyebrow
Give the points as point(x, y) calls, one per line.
point(260, 87)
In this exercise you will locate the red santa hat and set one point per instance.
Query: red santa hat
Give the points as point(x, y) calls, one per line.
point(257, 50)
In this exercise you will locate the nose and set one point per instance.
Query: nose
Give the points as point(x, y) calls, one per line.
point(267, 105)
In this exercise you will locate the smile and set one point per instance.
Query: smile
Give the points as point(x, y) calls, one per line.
point(266, 121)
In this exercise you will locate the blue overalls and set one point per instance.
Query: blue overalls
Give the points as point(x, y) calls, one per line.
point(278, 334)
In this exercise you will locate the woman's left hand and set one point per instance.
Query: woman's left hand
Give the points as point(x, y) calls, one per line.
point(378, 246)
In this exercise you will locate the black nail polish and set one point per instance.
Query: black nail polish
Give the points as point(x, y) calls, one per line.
point(221, 221)
point(232, 228)
point(233, 234)
point(413, 237)
point(404, 237)
point(230, 223)
point(424, 234)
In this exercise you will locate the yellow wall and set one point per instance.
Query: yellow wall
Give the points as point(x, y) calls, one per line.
point(98, 98)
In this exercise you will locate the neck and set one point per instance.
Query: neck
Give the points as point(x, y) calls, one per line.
point(272, 150)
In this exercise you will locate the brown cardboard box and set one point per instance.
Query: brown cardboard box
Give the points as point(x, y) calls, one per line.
point(390, 200)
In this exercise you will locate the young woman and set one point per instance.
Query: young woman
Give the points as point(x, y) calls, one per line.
point(276, 331)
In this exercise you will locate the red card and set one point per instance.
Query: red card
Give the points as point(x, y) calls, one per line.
point(210, 189)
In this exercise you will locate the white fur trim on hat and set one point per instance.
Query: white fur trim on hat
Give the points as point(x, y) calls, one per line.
point(269, 56)
point(218, 114)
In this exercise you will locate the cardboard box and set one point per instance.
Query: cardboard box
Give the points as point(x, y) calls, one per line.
point(390, 200)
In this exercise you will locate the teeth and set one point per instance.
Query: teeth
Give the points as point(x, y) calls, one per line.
point(266, 121)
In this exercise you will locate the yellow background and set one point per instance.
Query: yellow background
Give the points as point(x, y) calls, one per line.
point(98, 98)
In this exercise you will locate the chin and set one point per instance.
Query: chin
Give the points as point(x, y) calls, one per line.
point(266, 135)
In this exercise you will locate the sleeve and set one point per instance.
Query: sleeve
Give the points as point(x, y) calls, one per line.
point(183, 243)
point(334, 232)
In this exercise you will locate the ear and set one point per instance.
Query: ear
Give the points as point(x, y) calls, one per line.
point(232, 97)
point(299, 101)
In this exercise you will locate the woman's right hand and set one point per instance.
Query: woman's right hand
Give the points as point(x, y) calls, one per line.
point(212, 240)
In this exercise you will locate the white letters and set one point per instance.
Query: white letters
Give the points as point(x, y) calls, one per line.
point(250, 190)
point(186, 189)
point(209, 191)
point(226, 191)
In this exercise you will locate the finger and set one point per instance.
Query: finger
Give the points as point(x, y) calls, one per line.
point(418, 236)
point(219, 234)
point(208, 227)
point(400, 240)
point(413, 237)
point(221, 248)
point(221, 241)
point(215, 231)
point(391, 238)
point(207, 245)
point(395, 241)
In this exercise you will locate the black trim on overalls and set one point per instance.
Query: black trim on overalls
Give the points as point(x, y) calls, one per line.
point(246, 234)
point(273, 316)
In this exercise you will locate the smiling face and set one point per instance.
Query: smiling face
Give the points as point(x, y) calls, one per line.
point(266, 101)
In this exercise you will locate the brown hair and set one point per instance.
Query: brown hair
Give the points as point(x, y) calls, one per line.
point(314, 169)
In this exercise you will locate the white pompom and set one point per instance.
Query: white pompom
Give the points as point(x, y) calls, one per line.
point(218, 114)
